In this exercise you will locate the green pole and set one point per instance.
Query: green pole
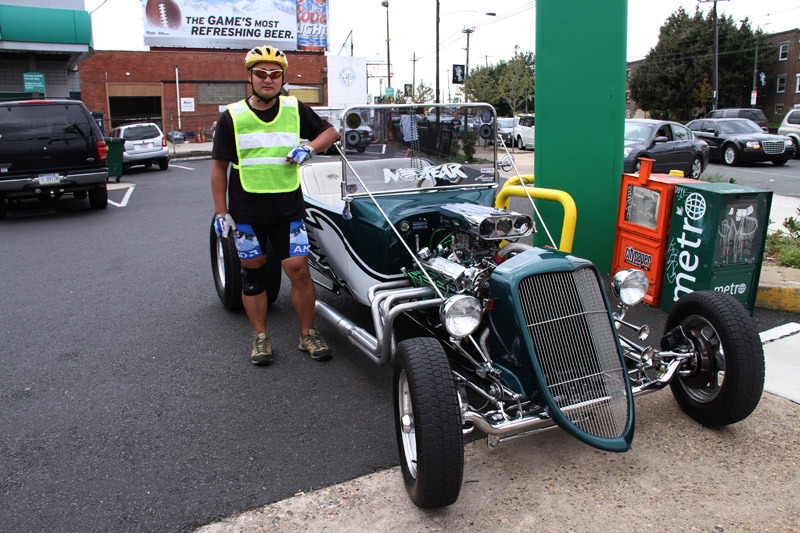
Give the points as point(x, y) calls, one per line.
point(580, 117)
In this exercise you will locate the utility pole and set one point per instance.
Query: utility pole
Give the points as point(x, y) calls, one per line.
point(414, 75)
point(385, 3)
point(715, 105)
point(437, 56)
point(466, 67)
point(755, 69)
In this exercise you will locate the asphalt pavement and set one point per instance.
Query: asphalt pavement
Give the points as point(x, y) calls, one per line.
point(505, 499)
point(128, 405)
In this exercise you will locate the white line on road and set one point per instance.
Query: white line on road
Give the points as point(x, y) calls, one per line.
point(125, 199)
point(184, 168)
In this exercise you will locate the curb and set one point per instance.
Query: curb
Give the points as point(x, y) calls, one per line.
point(780, 298)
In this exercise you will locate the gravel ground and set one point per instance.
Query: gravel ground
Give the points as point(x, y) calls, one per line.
point(678, 476)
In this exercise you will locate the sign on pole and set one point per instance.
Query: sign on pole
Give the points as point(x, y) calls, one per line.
point(753, 96)
point(388, 92)
point(458, 74)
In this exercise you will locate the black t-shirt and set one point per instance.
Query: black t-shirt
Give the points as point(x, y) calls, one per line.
point(263, 208)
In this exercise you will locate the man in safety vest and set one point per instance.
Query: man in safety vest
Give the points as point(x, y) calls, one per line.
point(261, 203)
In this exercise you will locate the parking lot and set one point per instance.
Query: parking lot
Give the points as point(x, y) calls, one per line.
point(129, 403)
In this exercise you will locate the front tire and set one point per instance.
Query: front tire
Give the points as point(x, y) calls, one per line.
point(730, 155)
point(779, 162)
point(724, 381)
point(427, 423)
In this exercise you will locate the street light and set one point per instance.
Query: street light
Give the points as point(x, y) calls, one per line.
point(385, 3)
point(437, 40)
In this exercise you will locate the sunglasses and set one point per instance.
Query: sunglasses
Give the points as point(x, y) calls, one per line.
point(263, 74)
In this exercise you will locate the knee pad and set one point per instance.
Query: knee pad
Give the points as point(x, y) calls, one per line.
point(254, 280)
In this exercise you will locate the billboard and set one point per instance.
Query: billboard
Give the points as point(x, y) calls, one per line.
point(284, 24)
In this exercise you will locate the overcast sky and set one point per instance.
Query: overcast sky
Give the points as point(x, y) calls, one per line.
point(117, 25)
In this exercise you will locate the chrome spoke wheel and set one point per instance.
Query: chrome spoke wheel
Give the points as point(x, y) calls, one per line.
point(703, 381)
point(220, 263)
point(408, 434)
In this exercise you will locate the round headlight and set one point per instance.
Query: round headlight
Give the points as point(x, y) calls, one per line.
point(630, 286)
point(460, 315)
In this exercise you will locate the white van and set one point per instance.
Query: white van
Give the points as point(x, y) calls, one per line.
point(791, 127)
point(525, 136)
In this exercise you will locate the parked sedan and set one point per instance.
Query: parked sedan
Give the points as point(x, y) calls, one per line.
point(674, 147)
point(737, 140)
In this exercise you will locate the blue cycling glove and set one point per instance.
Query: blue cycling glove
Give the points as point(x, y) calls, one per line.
point(300, 155)
point(224, 225)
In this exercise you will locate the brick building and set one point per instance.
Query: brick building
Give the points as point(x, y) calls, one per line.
point(133, 86)
point(781, 68)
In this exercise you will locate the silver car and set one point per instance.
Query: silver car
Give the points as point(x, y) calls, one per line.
point(145, 144)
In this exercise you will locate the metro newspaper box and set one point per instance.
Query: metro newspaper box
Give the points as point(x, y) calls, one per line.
point(716, 241)
point(645, 208)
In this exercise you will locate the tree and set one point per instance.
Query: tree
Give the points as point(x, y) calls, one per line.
point(423, 93)
point(670, 81)
point(517, 80)
point(495, 84)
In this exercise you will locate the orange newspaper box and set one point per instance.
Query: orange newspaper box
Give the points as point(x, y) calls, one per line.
point(645, 208)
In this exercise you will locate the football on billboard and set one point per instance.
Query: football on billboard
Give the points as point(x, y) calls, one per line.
point(163, 13)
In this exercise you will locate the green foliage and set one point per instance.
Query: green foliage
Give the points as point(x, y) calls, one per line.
point(784, 247)
point(468, 141)
point(675, 75)
point(509, 86)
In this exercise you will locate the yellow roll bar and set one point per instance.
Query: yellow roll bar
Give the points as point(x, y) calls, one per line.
point(512, 188)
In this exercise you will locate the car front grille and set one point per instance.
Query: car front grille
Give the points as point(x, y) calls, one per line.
point(773, 147)
point(576, 349)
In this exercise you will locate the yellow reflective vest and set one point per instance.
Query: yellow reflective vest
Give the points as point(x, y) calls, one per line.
point(262, 147)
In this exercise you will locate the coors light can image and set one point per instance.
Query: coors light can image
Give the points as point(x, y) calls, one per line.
point(312, 25)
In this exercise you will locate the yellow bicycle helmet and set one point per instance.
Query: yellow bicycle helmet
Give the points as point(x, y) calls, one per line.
point(268, 54)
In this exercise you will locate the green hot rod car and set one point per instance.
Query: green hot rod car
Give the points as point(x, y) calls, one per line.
point(516, 338)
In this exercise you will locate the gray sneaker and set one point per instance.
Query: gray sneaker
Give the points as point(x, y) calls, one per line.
point(315, 345)
point(261, 349)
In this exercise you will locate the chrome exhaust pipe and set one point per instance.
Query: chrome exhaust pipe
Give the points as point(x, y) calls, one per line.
point(358, 336)
point(508, 427)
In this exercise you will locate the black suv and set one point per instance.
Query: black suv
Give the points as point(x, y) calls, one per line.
point(49, 148)
point(756, 115)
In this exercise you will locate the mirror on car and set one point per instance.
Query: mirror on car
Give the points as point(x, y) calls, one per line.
point(661, 139)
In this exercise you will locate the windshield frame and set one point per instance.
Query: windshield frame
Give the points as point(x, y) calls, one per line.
point(352, 188)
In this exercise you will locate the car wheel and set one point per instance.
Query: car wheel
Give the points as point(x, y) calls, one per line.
point(724, 380)
point(427, 423)
point(520, 144)
point(163, 163)
point(730, 155)
point(98, 197)
point(696, 169)
point(226, 268)
point(361, 149)
point(3, 208)
point(796, 144)
point(637, 167)
point(779, 162)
